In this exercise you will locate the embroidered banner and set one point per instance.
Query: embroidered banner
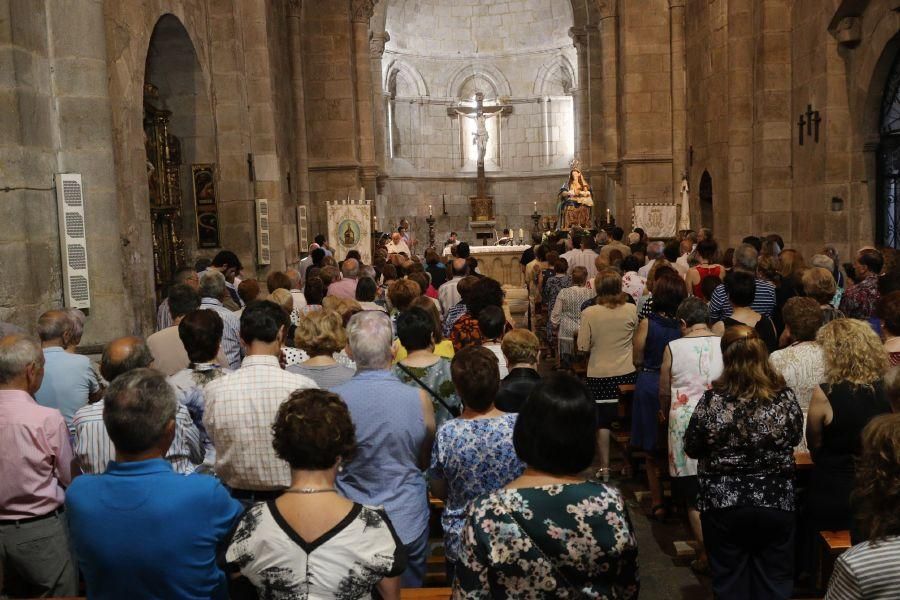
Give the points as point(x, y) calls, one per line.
point(349, 228)
point(657, 220)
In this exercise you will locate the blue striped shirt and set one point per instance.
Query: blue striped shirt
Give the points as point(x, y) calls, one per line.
point(763, 301)
point(231, 333)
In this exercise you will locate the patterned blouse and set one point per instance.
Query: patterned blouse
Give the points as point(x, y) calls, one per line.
point(859, 301)
point(344, 563)
point(552, 288)
point(439, 379)
point(561, 541)
point(745, 450)
point(465, 332)
point(474, 457)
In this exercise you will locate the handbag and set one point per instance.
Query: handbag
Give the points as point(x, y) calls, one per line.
point(453, 410)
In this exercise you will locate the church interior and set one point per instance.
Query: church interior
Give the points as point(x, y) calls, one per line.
point(181, 128)
point(779, 115)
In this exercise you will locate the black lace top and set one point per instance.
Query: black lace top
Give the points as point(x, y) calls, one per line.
point(745, 450)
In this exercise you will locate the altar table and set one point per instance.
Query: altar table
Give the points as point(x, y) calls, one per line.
point(499, 262)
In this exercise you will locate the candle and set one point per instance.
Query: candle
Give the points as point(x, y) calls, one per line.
point(362, 194)
point(430, 214)
point(521, 233)
point(535, 207)
point(607, 216)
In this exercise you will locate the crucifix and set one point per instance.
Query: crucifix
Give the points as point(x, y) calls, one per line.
point(480, 137)
point(801, 124)
point(816, 120)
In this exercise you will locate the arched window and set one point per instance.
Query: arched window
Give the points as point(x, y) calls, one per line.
point(888, 221)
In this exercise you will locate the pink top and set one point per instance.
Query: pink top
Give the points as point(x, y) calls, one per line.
point(343, 288)
point(35, 457)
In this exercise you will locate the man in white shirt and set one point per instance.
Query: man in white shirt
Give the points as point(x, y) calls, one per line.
point(582, 256)
point(448, 294)
point(241, 407)
point(397, 245)
point(306, 263)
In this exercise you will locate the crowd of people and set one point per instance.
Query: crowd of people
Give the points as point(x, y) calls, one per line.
point(281, 438)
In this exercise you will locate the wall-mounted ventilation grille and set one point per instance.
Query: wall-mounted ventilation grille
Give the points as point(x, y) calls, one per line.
point(73, 240)
point(263, 247)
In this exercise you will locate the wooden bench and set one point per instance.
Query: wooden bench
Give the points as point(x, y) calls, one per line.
point(833, 544)
point(803, 461)
point(425, 593)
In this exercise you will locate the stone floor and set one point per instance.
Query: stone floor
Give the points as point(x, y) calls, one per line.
point(664, 576)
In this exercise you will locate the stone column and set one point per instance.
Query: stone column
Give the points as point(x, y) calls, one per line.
point(360, 13)
point(609, 99)
point(581, 94)
point(301, 165)
point(376, 52)
point(679, 95)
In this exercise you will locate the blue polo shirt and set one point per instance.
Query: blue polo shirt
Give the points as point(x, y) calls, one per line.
point(141, 531)
point(68, 382)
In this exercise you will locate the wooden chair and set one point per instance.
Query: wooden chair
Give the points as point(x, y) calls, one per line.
point(833, 544)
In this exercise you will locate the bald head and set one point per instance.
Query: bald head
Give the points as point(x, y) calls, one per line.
point(396, 237)
point(52, 327)
point(124, 354)
point(350, 268)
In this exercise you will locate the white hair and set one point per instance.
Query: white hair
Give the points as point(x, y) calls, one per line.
point(370, 334)
point(212, 285)
point(16, 353)
point(825, 262)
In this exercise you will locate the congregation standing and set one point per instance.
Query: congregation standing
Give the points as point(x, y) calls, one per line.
point(282, 439)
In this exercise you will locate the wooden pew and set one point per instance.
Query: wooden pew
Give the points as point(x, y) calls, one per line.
point(425, 593)
point(833, 544)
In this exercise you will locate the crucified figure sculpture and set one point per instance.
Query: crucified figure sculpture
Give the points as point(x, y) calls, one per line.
point(481, 114)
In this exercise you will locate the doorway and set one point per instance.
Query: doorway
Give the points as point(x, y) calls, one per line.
point(178, 134)
point(705, 192)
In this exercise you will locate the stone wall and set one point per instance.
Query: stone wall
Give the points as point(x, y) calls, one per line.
point(55, 118)
point(753, 69)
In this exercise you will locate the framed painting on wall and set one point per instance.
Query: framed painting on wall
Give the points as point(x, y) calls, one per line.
point(204, 184)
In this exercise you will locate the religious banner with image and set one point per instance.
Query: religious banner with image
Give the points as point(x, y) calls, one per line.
point(657, 220)
point(204, 184)
point(349, 228)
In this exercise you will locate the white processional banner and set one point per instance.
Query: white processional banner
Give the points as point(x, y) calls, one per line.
point(657, 220)
point(349, 228)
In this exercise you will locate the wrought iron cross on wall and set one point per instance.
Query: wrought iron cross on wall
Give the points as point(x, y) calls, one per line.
point(808, 120)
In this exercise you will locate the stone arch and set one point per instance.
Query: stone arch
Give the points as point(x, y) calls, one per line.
point(399, 68)
point(486, 72)
point(876, 69)
point(177, 89)
point(705, 193)
point(558, 71)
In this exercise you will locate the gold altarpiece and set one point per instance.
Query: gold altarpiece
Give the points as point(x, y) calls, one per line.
point(163, 177)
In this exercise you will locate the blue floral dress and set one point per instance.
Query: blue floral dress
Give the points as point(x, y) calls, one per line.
point(474, 457)
point(559, 541)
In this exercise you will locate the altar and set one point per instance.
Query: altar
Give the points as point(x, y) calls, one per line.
point(499, 262)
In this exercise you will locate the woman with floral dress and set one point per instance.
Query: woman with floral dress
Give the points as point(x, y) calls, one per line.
point(473, 454)
point(690, 365)
point(550, 533)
